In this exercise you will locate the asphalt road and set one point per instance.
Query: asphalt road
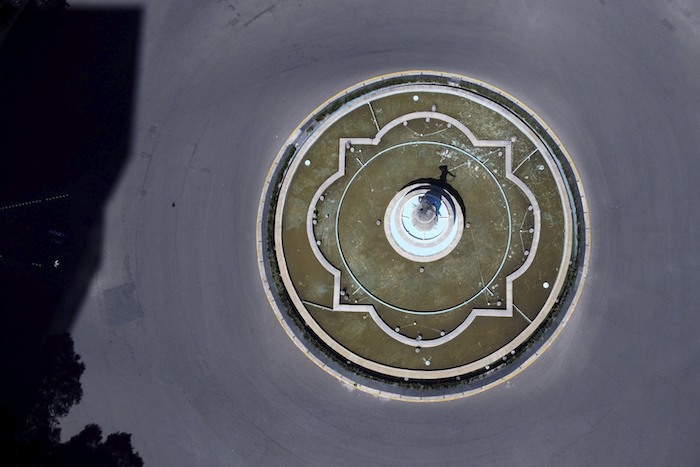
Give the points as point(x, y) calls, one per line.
point(189, 357)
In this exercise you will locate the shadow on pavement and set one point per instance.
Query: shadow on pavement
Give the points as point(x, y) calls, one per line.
point(66, 96)
point(67, 85)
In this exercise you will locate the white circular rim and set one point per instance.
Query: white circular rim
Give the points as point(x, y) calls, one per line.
point(406, 243)
point(585, 241)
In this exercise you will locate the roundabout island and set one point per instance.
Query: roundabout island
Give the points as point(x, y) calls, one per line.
point(422, 232)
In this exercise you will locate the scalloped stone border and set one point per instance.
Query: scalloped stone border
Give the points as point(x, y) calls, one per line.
point(493, 376)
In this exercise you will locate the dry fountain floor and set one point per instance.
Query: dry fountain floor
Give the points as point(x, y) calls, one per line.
point(460, 290)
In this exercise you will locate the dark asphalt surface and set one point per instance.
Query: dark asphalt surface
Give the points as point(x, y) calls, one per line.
point(181, 347)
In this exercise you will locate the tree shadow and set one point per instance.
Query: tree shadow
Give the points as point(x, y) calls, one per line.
point(67, 82)
point(67, 88)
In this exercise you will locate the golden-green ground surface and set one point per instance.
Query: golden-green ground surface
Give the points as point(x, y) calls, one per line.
point(495, 244)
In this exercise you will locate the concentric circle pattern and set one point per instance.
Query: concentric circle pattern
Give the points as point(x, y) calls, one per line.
point(409, 233)
point(423, 222)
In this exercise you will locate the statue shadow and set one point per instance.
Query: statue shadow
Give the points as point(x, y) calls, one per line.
point(441, 183)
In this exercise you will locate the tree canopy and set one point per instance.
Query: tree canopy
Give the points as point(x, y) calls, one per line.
point(44, 385)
